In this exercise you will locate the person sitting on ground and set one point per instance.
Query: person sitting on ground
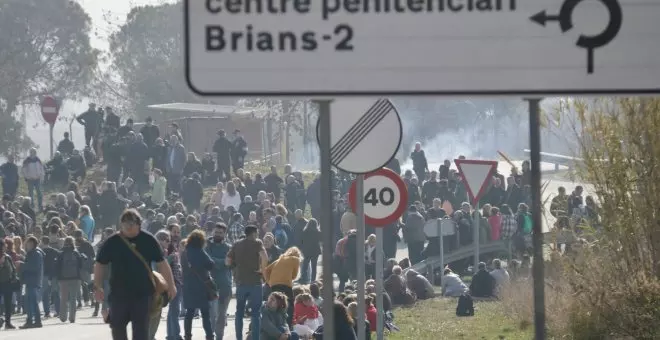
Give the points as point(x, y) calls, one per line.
point(452, 285)
point(306, 316)
point(353, 312)
point(273, 319)
point(395, 286)
point(419, 285)
point(483, 283)
point(500, 275)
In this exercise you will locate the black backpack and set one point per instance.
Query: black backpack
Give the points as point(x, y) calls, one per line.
point(465, 305)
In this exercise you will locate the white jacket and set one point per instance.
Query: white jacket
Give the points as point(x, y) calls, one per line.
point(33, 169)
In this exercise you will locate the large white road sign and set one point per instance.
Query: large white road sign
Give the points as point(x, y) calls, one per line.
point(445, 47)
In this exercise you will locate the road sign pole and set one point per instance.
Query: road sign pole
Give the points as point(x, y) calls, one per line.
point(475, 224)
point(380, 321)
point(362, 309)
point(50, 130)
point(441, 240)
point(537, 233)
point(326, 217)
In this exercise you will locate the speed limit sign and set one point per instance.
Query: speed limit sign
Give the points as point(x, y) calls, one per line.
point(385, 197)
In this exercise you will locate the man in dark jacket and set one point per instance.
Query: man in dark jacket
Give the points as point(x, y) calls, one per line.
point(32, 276)
point(50, 287)
point(150, 132)
point(222, 148)
point(124, 130)
point(66, 147)
point(413, 233)
point(91, 120)
point(394, 165)
point(111, 119)
point(69, 268)
point(9, 173)
point(218, 250)
point(483, 283)
point(238, 151)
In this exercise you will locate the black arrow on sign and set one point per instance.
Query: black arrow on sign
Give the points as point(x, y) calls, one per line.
point(542, 17)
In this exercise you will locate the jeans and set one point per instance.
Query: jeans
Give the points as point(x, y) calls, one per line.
point(6, 295)
point(253, 296)
point(308, 262)
point(32, 305)
point(219, 315)
point(35, 185)
point(50, 290)
point(173, 327)
point(206, 321)
point(69, 293)
point(136, 311)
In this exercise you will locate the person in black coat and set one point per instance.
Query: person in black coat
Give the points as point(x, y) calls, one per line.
point(483, 284)
point(91, 120)
point(150, 132)
point(420, 165)
point(222, 148)
point(192, 193)
point(238, 151)
point(10, 177)
point(159, 155)
point(394, 165)
point(66, 146)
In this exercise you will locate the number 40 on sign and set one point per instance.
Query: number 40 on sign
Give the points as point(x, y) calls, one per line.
point(385, 197)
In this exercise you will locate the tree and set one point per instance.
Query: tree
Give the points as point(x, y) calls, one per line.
point(45, 50)
point(147, 53)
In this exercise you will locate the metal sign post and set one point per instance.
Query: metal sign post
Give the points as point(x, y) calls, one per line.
point(326, 219)
point(537, 232)
point(476, 222)
point(441, 240)
point(380, 320)
point(361, 279)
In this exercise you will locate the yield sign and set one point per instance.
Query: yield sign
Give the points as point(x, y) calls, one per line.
point(476, 176)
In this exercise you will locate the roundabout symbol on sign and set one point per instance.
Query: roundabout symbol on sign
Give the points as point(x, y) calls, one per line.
point(565, 19)
point(385, 197)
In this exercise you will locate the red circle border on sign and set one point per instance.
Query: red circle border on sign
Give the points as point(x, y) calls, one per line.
point(403, 201)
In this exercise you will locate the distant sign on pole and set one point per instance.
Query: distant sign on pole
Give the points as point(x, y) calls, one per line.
point(422, 47)
point(385, 197)
point(476, 175)
point(50, 109)
point(365, 134)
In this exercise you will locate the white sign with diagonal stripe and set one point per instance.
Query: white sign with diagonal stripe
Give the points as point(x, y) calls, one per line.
point(364, 133)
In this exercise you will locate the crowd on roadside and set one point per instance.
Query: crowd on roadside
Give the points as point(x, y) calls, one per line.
point(250, 234)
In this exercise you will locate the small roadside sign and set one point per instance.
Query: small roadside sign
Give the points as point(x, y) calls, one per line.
point(385, 197)
point(50, 109)
point(476, 175)
point(364, 133)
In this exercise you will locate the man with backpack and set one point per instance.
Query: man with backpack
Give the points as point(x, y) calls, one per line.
point(69, 267)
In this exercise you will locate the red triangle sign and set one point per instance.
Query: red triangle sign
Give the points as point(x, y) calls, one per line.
point(476, 175)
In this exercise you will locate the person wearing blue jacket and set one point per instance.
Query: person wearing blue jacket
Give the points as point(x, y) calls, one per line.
point(87, 223)
point(32, 272)
point(218, 250)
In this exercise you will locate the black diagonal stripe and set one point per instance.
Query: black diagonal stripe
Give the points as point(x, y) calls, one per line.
point(365, 130)
point(345, 141)
point(365, 133)
point(359, 134)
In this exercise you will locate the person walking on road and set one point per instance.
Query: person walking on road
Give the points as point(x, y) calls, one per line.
point(32, 275)
point(130, 252)
point(248, 258)
point(69, 268)
point(218, 249)
point(8, 284)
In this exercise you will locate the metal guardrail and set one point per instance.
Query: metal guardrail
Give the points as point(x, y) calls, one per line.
point(461, 253)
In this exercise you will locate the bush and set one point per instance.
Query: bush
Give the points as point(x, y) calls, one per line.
point(611, 289)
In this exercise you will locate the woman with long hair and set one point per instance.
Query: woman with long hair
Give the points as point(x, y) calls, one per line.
point(280, 274)
point(311, 249)
point(197, 264)
point(231, 196)
point(87, 223)
point(173, 329)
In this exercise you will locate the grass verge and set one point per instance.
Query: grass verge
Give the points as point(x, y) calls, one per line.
point(436, 319)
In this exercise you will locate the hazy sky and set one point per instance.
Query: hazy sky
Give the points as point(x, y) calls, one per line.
point(107, 16)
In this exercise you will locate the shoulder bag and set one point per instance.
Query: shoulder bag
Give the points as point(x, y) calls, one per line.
point(157, 280)
point(209, 284)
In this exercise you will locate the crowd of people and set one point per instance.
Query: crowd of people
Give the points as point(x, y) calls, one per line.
point(150, 240)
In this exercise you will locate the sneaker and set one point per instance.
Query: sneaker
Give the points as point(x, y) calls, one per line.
point(95, 313)
point(27, 325)
point(37, 325)
point(8, 325)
